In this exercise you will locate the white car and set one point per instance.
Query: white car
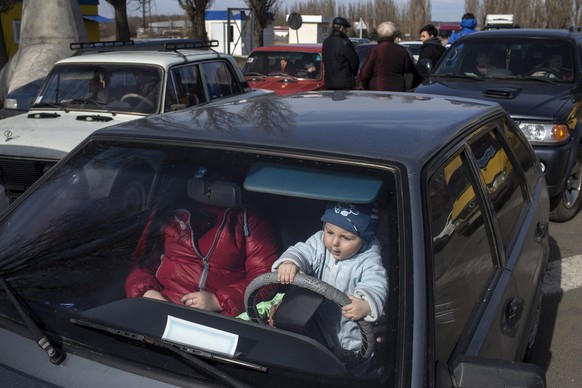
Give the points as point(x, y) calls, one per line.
point(104, 85)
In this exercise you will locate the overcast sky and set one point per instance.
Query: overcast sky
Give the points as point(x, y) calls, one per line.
point(442, 10)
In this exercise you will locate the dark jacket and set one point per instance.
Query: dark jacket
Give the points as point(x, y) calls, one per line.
point(340, 61)
point(233, 259)
point(386, 66)
point(431, 49)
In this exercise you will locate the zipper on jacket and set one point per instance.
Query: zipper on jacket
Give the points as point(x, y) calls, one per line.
point(206, 269)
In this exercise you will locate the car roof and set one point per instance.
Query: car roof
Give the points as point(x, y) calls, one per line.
point(160, 58)
point(401, 127)
point(315, 47)
point(521, 33)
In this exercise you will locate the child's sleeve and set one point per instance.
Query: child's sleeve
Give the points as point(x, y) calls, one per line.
point(373, 288)
point(303, 254)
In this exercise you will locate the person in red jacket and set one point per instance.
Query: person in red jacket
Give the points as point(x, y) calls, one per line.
point(210, 255)
point(387, 63)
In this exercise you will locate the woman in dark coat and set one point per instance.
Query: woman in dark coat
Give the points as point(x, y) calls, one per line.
point(387, 63)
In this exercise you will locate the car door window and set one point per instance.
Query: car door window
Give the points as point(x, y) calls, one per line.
point(463, 260)
point(500, 178)
point(219, 80)
point(186, 88)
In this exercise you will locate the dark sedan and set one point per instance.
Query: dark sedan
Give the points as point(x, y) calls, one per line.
point(534, 74)
point(461, 245)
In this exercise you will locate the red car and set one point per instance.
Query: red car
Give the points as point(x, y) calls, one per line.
point(285, 68)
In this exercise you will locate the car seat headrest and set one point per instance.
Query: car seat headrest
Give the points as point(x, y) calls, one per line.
point(214, 192)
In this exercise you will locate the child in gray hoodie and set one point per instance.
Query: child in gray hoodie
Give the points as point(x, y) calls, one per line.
point(346, 255)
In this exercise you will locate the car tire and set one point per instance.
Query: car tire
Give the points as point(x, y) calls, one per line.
point(565, 206)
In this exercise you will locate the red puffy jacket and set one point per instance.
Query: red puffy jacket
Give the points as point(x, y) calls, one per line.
point(232, 259)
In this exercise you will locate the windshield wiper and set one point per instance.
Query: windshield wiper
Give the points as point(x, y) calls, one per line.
point(451, 75)
point(83, 101)
point(190, 354)
point(55, 355)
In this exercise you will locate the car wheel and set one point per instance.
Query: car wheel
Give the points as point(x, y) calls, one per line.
point(565, 206)
point(320, 287)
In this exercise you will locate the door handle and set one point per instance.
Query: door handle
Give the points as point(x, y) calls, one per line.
point(541, 231)
point(512, 315)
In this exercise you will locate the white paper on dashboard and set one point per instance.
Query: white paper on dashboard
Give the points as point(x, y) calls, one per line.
point(200, 336)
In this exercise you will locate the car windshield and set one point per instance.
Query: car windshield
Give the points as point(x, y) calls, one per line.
point(516, 58)
point(280, 63)
point(103, 87)
point(92, 224)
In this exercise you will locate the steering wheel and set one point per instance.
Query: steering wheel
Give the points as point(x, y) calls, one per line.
point(317, 286)
point(544, 72)
point(137, 96)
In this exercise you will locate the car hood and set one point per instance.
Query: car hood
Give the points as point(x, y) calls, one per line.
point(520, 99)
point(284, 85)
point(50, 134)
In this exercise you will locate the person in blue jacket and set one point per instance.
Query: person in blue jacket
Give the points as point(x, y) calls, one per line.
point(468, 25)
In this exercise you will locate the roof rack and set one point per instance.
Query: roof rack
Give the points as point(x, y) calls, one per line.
point(575, 29)
point(104, 44)
point(144, 45)
point(191, 45)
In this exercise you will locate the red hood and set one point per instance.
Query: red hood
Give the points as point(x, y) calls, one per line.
point(285, 85)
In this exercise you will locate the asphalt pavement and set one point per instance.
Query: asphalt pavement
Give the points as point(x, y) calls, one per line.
point(558, 346)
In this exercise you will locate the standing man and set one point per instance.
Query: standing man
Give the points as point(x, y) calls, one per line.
point(339, 57)
point(431, 49)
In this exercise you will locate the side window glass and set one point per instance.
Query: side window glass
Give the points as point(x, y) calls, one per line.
point(463, 262)
point(219, 80)
point(188, 86)
point(501, 181)
point(171, 101)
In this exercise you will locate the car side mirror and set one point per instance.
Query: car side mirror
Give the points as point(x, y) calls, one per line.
point(476, 372)
point(425, 66)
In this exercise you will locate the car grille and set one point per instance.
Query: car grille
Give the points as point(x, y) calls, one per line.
point(16, 175)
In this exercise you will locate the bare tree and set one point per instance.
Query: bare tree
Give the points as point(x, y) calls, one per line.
point(196, 11)
point(577, 12)
point(419, 16)
point(5, 6)
point(559, 13)
point(262, 9)
point(121, 24)
point(145, 7)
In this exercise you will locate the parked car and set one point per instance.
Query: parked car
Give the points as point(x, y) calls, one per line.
point(363, 51)
point(359, 41)
point(285, 68)
point(19, 100)
point(463, 229)
point(413, 47)
point(543, 101)
point(89, 91)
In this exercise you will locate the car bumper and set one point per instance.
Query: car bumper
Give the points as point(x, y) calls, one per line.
point(557, 168)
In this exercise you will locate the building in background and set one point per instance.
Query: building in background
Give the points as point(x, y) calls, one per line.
point(232, 28)
point(314, 29)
